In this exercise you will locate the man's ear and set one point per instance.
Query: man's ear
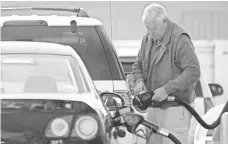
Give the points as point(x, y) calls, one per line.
point(161, 16)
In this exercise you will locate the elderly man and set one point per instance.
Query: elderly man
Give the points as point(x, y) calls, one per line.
point(166, 64)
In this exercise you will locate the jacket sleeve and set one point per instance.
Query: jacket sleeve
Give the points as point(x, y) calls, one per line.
point(187, 60)
point(137, 71)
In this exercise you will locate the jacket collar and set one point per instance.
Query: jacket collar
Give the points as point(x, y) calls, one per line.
point(167, 34)
point(165, 41)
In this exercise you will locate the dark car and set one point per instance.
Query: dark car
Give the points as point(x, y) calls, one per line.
point(48, 97)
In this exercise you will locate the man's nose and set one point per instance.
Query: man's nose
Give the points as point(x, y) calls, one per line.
point(152, 34)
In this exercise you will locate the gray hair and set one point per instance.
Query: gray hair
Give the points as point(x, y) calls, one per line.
point(157, 8)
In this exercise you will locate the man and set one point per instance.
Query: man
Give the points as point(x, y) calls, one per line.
point(166, 64)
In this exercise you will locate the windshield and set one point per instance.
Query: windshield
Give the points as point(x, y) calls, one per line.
point(39, 74)
point(86, 43)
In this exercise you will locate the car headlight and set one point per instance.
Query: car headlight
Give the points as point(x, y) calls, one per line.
point(86, 127)
point(59, 127)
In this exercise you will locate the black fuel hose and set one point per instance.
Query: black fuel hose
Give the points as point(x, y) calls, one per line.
point(134, 120)
point(196, 115)
point(160, 131)
point(174, 139)
point(144, 100)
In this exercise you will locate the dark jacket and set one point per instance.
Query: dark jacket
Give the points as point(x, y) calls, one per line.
point(176, 68)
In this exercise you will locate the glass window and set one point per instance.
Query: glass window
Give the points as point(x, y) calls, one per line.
point(86, 43)
point(198, 90)
point(39, 74)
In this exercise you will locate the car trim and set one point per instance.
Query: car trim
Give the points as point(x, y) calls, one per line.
point(114, 86)
point(73, 76)
point(88, 98)
point(54, 20)
point(7, 47)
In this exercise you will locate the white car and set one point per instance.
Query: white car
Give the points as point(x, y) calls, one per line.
point(75, 28)
point(202, 135)
point(48, 96)
point(204, 98)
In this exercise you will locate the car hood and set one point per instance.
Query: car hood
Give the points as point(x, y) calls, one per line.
point(212, 115)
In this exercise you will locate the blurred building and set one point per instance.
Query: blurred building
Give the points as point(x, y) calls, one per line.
point(122, 20)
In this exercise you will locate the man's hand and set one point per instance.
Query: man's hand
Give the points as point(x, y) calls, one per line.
point(140, 86)
point(159, 94)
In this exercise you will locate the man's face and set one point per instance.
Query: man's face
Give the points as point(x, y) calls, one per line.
point(155, 27)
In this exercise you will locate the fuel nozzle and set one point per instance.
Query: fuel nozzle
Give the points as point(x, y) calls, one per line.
point(143, 100)
point(119, 133)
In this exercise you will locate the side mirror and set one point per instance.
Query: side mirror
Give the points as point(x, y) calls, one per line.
point(216, 89)
point(112, 101)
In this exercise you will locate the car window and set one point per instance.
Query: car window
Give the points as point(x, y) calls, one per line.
point(87, 44)
point(198, 89)
point(127, 66)
point(113, 59)
point(39, 74)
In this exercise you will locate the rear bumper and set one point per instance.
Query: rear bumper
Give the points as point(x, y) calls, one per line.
point(51, 141)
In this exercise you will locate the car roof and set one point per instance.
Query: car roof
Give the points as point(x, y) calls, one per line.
point(21, 47)
point(54, 20)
